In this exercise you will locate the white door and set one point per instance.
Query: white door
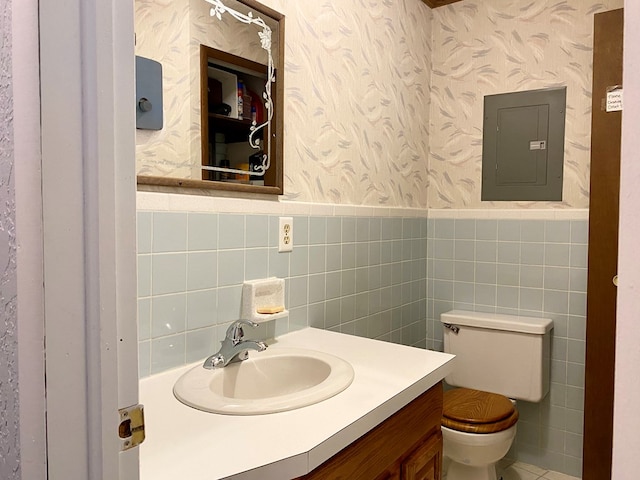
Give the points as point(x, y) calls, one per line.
point(88, 187)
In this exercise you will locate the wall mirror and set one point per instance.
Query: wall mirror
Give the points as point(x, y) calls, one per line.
point(222, 95)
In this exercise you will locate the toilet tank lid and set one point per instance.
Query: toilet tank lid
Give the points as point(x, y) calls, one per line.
point(497, 321)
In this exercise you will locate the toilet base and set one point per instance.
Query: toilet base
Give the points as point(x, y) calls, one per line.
point(459, 471)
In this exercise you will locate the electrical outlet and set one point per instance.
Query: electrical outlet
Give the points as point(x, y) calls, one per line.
point(285, 234)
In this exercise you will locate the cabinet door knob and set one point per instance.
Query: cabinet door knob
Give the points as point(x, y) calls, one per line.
point(615, 280)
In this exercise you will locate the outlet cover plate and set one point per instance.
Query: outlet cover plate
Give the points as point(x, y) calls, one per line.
point(285, 234)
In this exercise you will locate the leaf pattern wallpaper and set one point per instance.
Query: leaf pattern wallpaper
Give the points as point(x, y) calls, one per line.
point(498, 46)
point(383, 98)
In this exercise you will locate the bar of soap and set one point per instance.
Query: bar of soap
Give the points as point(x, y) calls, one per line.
point(270, 310)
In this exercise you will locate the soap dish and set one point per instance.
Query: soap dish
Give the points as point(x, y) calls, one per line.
point(265, 295)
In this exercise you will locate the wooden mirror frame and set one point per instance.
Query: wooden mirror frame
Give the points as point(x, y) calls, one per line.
point(275, 175)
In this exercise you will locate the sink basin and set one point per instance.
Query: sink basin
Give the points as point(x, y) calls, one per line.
point(275, 380)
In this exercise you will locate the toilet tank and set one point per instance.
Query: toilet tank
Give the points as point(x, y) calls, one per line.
point(504, 354)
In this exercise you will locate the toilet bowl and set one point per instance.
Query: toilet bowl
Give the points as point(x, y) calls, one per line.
point(498, 357)
point(478, 429)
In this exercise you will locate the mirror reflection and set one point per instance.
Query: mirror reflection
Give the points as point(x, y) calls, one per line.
point(222, 117)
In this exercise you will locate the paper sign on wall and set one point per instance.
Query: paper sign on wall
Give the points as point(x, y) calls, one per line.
point(614, 99)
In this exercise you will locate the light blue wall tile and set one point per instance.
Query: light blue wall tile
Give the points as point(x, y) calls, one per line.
point(144, 318)
point(202, 270)
point(577, 327)
point(375, 229)
point(278, 263)
point(144, 275)
point(348, 229)
point(167, 352)
point(508, 252)
point(485, 294)
point(300, 231)
point(348, 284)
point(531, 299)
point(464, 271)
point(485, 251)
point(531, 276)
point(300, 261)
point(202, 231)
point(334, 285)
point(144, 358)
point(298, 291)
point(486, 229)
point(486, 272)
point(168, 315)
point(362, 254)
point(374, 253)
point(578, 280)
point(229, 299)
point(231, 232)
point(348, 255)
point(257, 231)
point(169, 232)
point(443, 290)
point(230, 267)
point(579, 231)
point(317, 258)
point(256, 264)
point(532, 231)
point(169, 273)
point(557, 231)
point(347, 309)
point(332, 313)
point(578, 255)
point(507, 297)
point(508, 274)
point(202, 309)
point(575, 374)
point(443, 249)
point(362, 229)
point(200, 344)
point(556, 278)
point(443, 269)
point(576, 351)
point(334, 257)
point(374, 277)
point(463, 292)
point(556, 301)
point(532, 253)
point(362, 279)
point(465, 229)
point(444, 228)
point(317, 288)
point(362, 305)
point(317, 231)
point(334, 230)
point(578, 303)
point(509, 230)
point(464, 250)
point(144, 232)
point(387, 229)
point(316, 315)
point(556, 255)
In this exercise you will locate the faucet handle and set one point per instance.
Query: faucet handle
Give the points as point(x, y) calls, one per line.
point(235, 332)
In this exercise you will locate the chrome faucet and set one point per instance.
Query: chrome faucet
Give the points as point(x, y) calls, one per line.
point(234, 348)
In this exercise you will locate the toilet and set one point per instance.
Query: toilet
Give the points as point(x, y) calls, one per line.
point(499, 359)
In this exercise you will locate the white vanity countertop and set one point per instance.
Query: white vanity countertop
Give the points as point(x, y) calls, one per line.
point(183, 442)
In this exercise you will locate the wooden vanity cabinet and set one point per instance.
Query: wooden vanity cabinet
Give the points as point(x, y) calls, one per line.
point(406, 446)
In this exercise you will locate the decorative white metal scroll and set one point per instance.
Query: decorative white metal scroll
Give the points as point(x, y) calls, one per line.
point(217, 10)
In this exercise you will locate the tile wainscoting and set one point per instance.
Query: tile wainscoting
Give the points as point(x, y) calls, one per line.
point(376, 272)
point(530, 265)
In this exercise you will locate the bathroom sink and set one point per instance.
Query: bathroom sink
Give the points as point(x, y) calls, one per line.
point(275, 380)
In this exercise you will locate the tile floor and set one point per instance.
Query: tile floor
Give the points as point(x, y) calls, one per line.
point(510, 470)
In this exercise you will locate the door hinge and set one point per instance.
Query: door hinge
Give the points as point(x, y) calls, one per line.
point(131, 428)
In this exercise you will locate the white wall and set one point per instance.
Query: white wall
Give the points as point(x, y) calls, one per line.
point(626, 442)
point(22, 401)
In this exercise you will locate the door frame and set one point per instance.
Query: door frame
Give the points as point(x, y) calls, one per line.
point(88, 198)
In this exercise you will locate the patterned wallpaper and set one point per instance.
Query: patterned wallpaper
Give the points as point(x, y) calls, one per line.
point(356, 97)
point(383, 100)
point(488, 47)
point(162, 34)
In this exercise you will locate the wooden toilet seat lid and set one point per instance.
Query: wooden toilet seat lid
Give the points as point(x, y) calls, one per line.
point(476, 411)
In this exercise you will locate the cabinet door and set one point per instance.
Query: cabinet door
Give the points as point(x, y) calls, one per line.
point(425, 462)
